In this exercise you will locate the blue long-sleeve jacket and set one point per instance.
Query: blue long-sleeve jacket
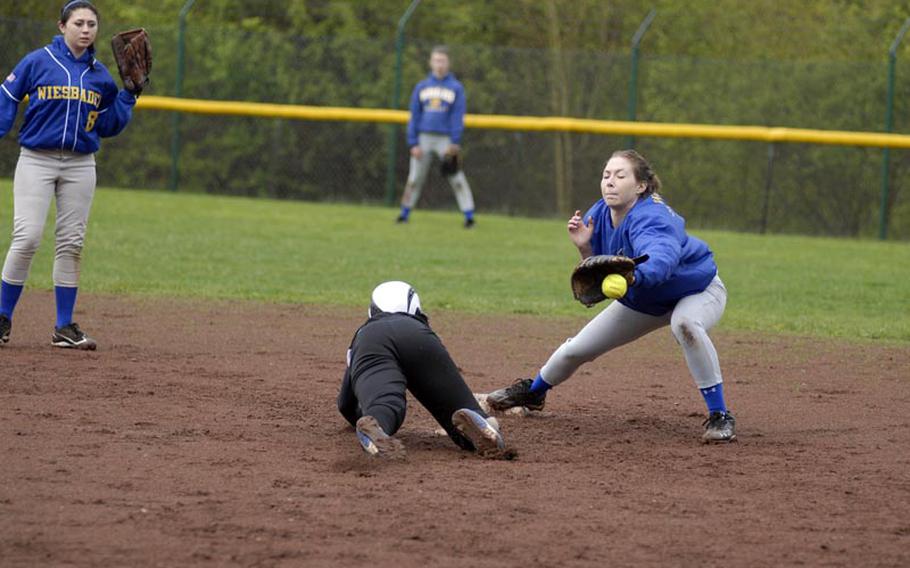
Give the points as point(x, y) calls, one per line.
point(437, 105)
point(72, 103)
point(679, 265)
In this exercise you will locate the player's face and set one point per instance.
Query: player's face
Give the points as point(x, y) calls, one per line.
point(439, 64)
point(80, 29)
point(618, 185)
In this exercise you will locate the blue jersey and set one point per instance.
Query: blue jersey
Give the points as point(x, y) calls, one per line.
point(679, 265)
point(437, 105)
point(71, 102)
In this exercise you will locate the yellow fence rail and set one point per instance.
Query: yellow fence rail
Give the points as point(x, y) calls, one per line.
point(536, 123)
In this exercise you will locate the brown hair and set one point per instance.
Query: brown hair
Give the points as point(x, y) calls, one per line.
point(641, 169)
point(74, 5)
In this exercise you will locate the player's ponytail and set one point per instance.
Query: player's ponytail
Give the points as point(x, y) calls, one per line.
point(642, 171)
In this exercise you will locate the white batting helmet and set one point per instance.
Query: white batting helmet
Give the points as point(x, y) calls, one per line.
point(394, 297)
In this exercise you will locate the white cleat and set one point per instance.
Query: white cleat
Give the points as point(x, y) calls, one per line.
point(483, 434)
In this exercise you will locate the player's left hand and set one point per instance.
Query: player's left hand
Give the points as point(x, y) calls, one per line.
point(453, 149)
point(588, 277)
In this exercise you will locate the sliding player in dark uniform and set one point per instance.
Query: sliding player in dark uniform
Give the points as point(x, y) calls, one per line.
point(395, 351)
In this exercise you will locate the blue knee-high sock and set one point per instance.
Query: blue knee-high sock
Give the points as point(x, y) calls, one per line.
point(9, 297)
point(714, 398)
point(469, 215)
point(66, 301)
point(405, 212)
point(540, 385)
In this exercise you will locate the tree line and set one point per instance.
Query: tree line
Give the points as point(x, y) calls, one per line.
point(814, 64)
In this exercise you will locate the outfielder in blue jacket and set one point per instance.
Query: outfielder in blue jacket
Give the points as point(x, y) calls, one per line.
point(677, 286)
point(435, 128)
point(438, 106)
point(73, 102)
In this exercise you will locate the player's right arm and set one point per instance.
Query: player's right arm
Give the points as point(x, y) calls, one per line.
point(416, 112)
point(347, 402)
point(586, 231)
point(580, 233)
point(12, 92)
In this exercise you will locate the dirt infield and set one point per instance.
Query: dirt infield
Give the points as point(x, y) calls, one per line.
point(206, 435)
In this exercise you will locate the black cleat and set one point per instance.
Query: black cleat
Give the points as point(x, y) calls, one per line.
point(5, 326)
point(401, 219)
point(517, 394)
point(483, 434)
point(719, 427)
point(71, 337)
point(469, 223)
point(375, 442)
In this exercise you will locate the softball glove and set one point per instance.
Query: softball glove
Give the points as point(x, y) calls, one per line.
point(450, 165)
point(133, 54)
point(589, 275)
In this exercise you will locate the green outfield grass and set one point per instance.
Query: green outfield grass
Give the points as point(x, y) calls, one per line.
point(196, 246)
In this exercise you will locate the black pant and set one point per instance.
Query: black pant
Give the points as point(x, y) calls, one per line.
point(392, 353)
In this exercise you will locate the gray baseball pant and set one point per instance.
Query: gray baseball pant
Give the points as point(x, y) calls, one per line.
point(437, 144)
point(40, 176)
point(617, 325)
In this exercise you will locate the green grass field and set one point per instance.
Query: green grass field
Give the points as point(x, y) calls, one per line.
point(197, 246)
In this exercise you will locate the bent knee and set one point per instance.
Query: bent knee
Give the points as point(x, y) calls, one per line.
point(68, 250)
point(26, 244)
point(687, 331)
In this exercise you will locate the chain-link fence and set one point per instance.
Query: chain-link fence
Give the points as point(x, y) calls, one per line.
point(823, 190)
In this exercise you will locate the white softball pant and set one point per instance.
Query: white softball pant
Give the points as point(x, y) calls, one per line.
point(40, 176)
point(617, 325)
point(417, 176)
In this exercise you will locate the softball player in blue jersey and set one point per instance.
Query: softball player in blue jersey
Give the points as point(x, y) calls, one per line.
point(435, 127)
point(72, 103)
point(678, 286)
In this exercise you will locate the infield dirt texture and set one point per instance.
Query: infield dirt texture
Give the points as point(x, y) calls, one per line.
point(206, 435)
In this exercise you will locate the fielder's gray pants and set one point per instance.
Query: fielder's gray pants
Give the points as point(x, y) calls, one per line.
point(617, 325)
point(40, 176)
point(437, 144)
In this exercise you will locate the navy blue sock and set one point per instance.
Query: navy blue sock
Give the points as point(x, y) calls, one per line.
point(469, 215)
point(540, 385)
point(9, 297)
point(405, 212)
point(66, 301)
point(714, 398)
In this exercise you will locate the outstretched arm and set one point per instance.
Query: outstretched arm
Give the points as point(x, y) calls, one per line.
point(660, 242)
